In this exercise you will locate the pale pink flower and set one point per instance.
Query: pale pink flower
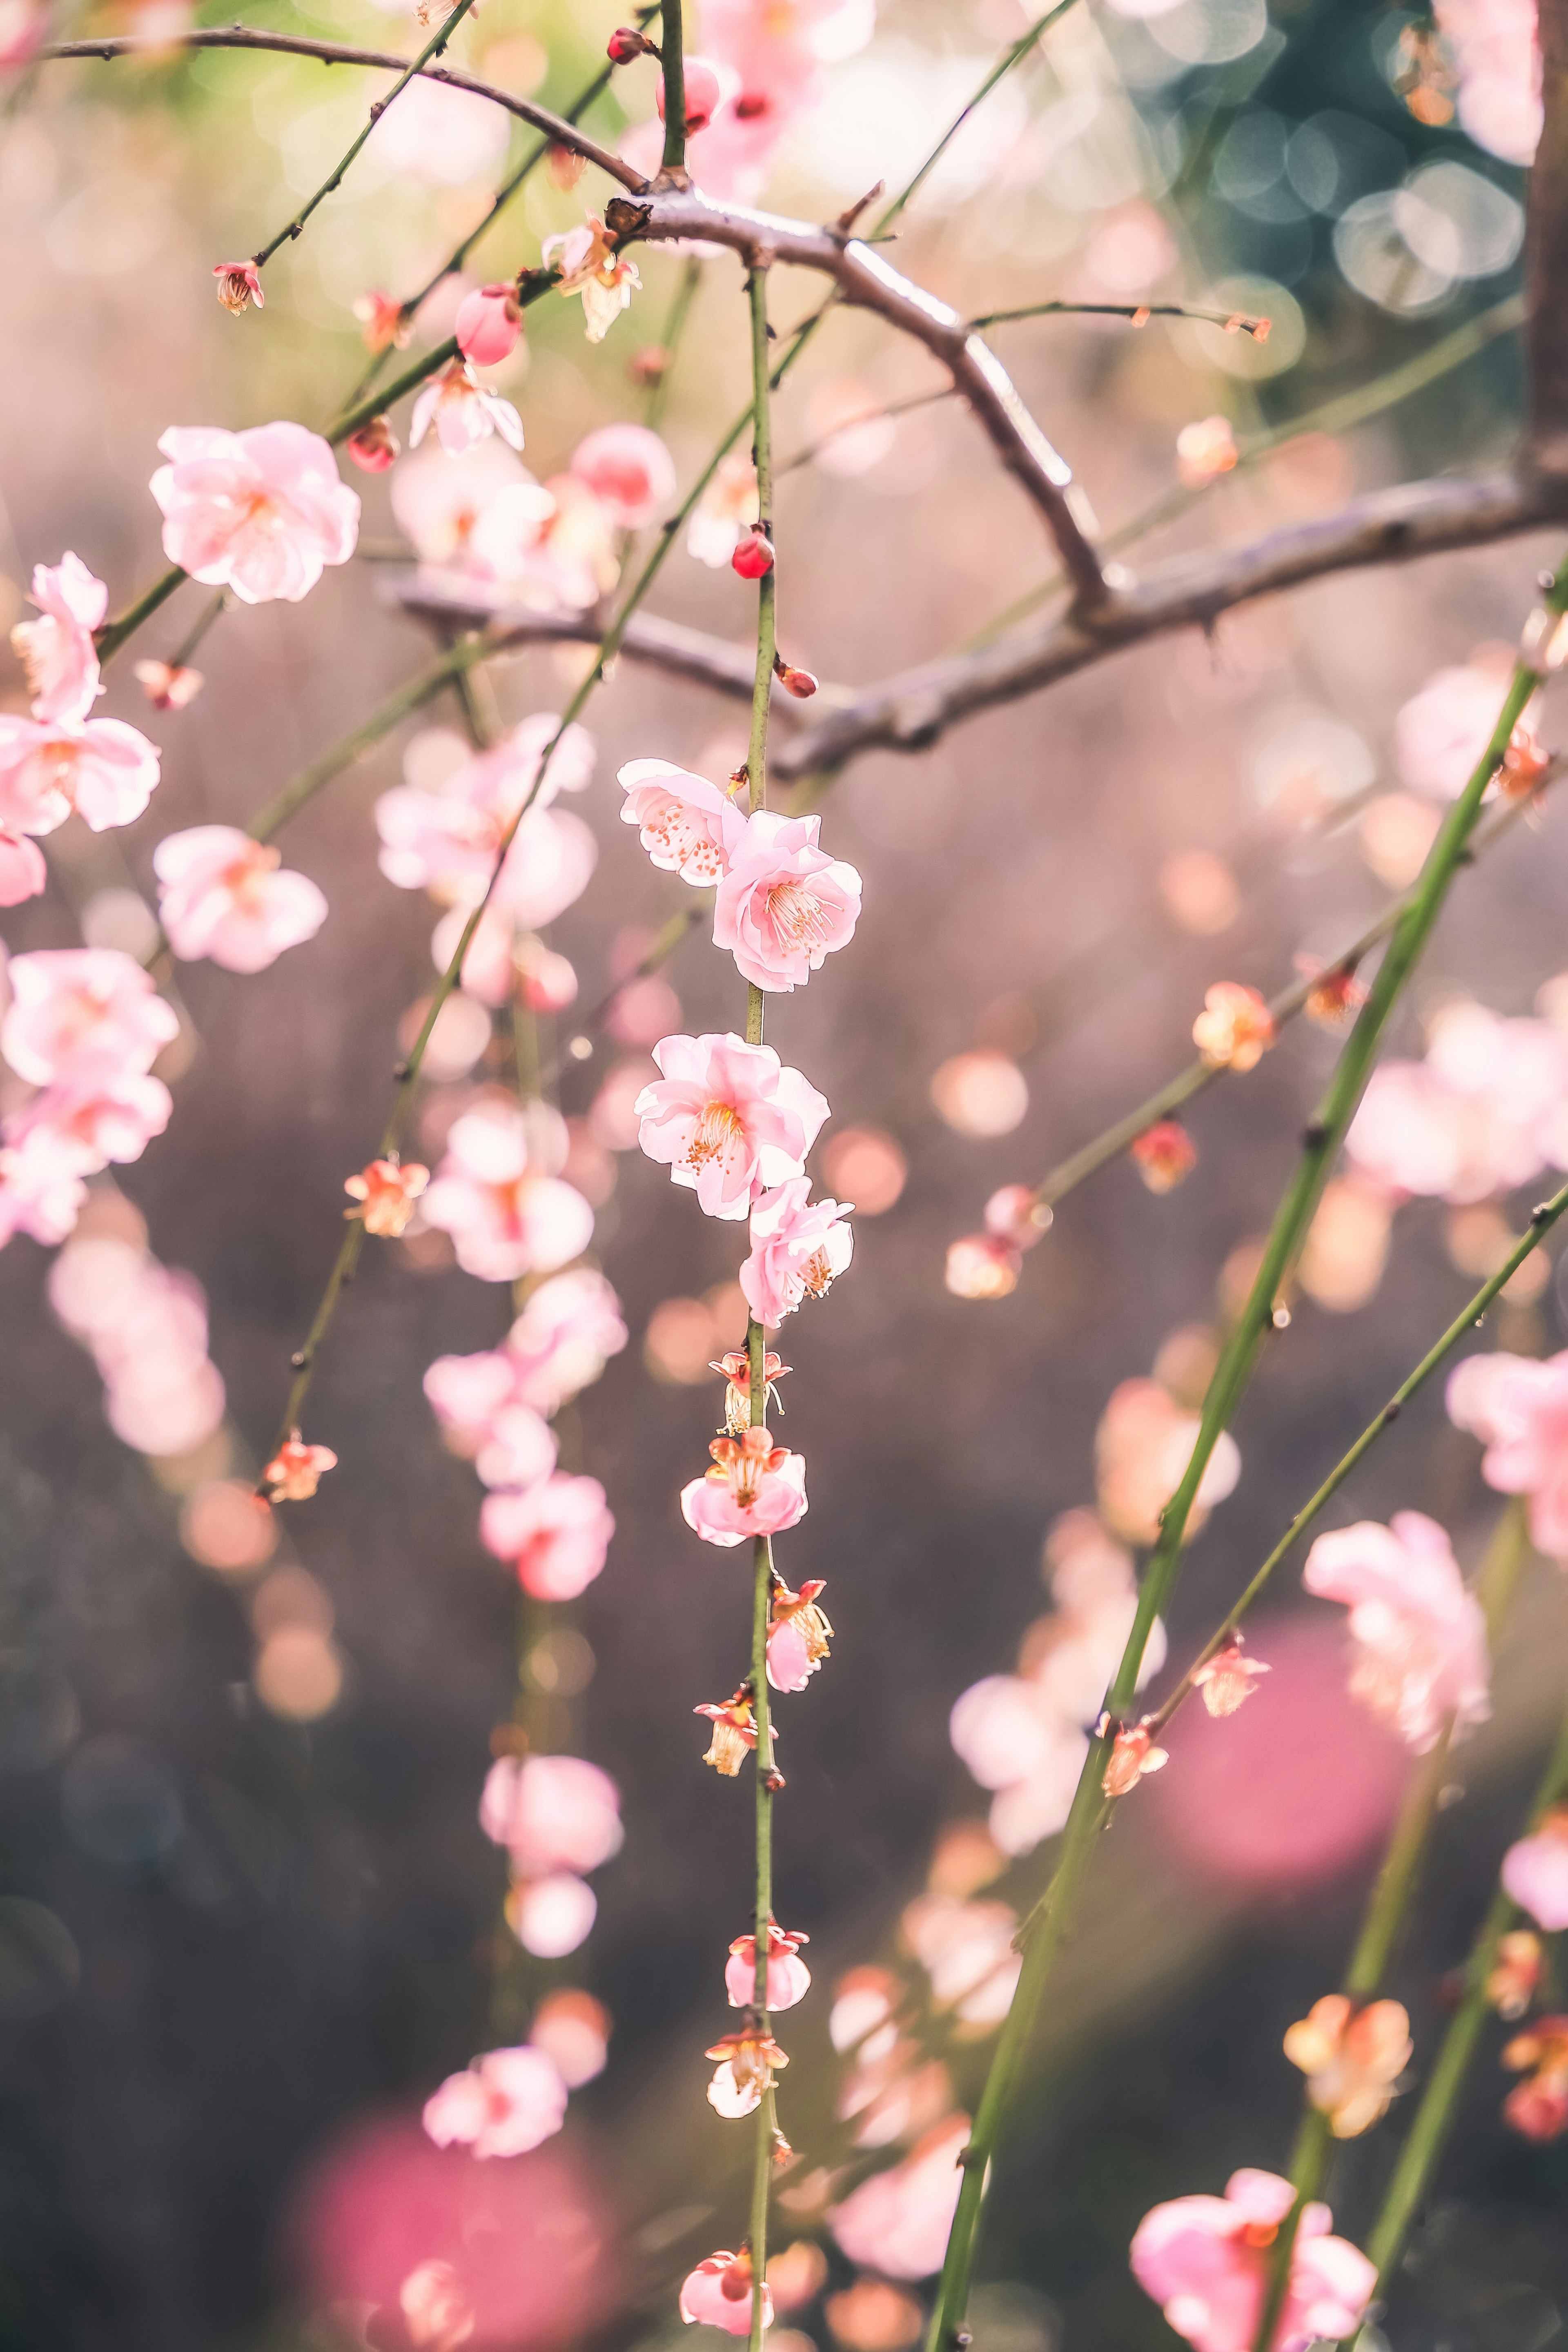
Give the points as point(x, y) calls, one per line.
point(23, 872)
point(262, 512)
point(1406, 1135)
point(687, 825)
point(1420, 1637)
point(1236, 1028)
point(506, 2102)
point(799, 1247)
point(438, 500)
point(465, 1393)
point(41, 1190)
point(629, 471)
point(93, 1123)
point(966, 1951)
point(573, 2029)
point(1206, 2262)
point(1518, 1407)
point(718, 2291)
point(1206, 450)
point(754, 1488)
point(590, 266)
point(798, 1632)
point(551, 1917)
point(552, 1812)
point(727, 1119)
point(558, 1534)
point(1495, 47)
point(517, 1449)
point(168, 685)
point(102, 768)
point(385, 1194)
point(564, 1337)
point(488, 325)
point(724, 513)
point(505, 1216)
point(83, 1015)
point(898, 2221)
point(1535, 1872)
point(463, 412)
point(222, 894)
point(788, 1978)
point(447, 841)
point(57, 651)
point(1134, 1756)
point(744, 2073)
point(296, 1469)
point(783, 906)
point(1352, 2057)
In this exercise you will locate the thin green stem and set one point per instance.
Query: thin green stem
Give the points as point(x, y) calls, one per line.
point(673, 56)
point(194, 636)
point(433, 48)
point(999, 71)
point(1137, 312)
point(113, 636)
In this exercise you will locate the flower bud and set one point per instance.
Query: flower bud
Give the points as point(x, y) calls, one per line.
point(238, 284)
point(754, 556)
point(488, 324)
point(704, 92)
point(648, 366)
point(625, 43)
point(801, 683)
point(374, 446)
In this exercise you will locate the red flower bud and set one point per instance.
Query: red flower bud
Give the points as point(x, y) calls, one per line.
point(799, 682)
point(625, 43)
point(375, 446)
point(753, 554)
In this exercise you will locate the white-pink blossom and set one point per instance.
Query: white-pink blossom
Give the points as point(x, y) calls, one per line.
point(629, 471)
point(687, 825)
point(788, 1978)
point(1518, 1407)
point(726, 1119)
point(898, 2221)
point(23, 872)
point(1535, 1872)
point(93, 1123)
point(506, 2102)
point(1420, 1637)
point(564, 1337)
point(754, 1488)
point(262, 512)
point(552, 1812)
point(718, 2293)
point(487, 324)
point(438, 501)
point(1440, 733)
point(57, 650)
point(505, 1215)
point(463, 410)
point(82, 1016)
point(223, 895)
point(41, 1190)
point(799, 1247)
point(557, 1533)
point(783, 905)
point(102, 768)
point(1207, 2260)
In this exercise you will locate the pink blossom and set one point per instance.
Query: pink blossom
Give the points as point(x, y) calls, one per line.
point(505, 1216)
point(718, 2293)
point(518, 1448)
point(754, 1488)
point(1142, 1449)
point(1441, 732)
point(23, 873)
point(262, 512)
point(590, 265)
point(1518, 1407)
point(727, 1119)
point(1495, 47)
point(783, 905)
point(687, 825)
point(551, 1916)
point(1420, 1637)
point(438, 500)
point(799, 1247)
point(238, 285)
point(798, 1632)
point(558, 1533)
point(1535, 1872)
point(57, 651)
point(82, 1016)
point(466, 1391)
point(629, 471)
point(463, 410)
point(552, 1812)
point(488, 325)
point(448, 841)
point(92, 1124)
point(508, 2102)
point(102, 768)
point(41, 1191)
point(564, 1337)
point(788, 1978)
point(221, 895)
point(966, 1951)
point(898, 2221)
point(1206, 2262)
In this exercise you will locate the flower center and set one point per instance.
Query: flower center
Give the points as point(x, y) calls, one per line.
point(716, 1132)
point(817, 1274)
point(797, 914)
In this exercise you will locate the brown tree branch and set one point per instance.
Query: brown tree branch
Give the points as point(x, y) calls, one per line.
point(1547, 253)
point(453, 606)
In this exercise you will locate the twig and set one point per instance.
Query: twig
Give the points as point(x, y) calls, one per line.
point(1237, 321)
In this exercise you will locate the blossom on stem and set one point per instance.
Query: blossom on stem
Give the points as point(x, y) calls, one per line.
point(296, 1470)
point(552, 1813)
point(85, 1124)
point(262, 512)
point(504, 2104)
point(488, 325)
point(23, 870)
point(57, 650)
point(753, 554)
point(1142, 1450)
point(1539, 2107)
point(719, 2292)
point(168, 685)
point(727, 1119)
point(753, 1489)
point(629, 471)
point(1334, 994)
point(382, 321)
point(102, 768)
point(1236, 1027)
point(1226, 1679)
point(82, 1016)
point(788, 1978)
point(798, 1248)
point(1517, 1971)
point(1518, 1409)
point(687, 825)
point(898, 2221)
point(744, 2072)
point(1420, 1638)
point(238, 285)
point(1163, 1154)
point(1207, 2260)
point(734, 1732)
point(384, 1193)
point(1535, 1871)
point(736, 1368)
point(724, 513)
point(590, 265)
point(222, 894)
point(463, 412)
point(1351, 2058)
point(798, 1634)
point(983, 1266)
point(506, 1216)
point(375, 448)
point(1133, 1756)
point(556, 1533)
point(783, 905)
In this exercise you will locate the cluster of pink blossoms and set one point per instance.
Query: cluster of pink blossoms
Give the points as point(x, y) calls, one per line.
point(1484, 1111)
point(146, 1326)
point(1418, 1635)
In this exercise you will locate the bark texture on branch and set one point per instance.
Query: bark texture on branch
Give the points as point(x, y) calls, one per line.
point(1547, 254)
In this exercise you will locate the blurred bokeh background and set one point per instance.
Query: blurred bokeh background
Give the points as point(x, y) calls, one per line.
point(247, 1918)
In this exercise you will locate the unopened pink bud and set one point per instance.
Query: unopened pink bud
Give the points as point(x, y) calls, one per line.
point(374, 446)
point(624, 44)
point(704, 91)
point(754, 556)
point(488, 324)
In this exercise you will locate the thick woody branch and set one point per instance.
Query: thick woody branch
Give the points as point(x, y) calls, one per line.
point(1547, 253)
point(452, 607)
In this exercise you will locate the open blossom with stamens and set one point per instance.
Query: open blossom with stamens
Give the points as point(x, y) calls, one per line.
point(507, 1217)
point(1518, 1407)
point(238, 285)
point(83, 1015)
point(788, 1978)
point(296, 1470)
point(1420, 1637)
point(724, 513)
point(223, 895)
point(754, 1488)
point(1351, 2058)
point(1132, 1754)
point(23, 870)
point(798, 1634)
point(727, 1119)
point(719, 2292)
point(783, 905)
point(166, 685)
point(1539, 2107)
point(504, 2104)
point(102, 768)
point(262, 512)
point(736, 1368)
point(1226, 1679)
point(1535, 1871)
point(687, 825)
point(744, 2072)
point(1515, 1973)
point(1207, 2260)
point(463, 412)
point(556, 1532)
point(734, 1732)
point(385, 1194)
point(57, 650)
point(1236, 1027)
point(798, 1248)
point(590, 266)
